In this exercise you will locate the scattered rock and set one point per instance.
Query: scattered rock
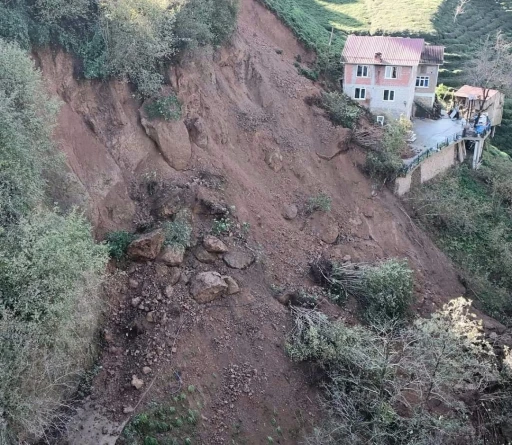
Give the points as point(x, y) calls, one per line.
point(169, 291)
point(137, 383)
point(150, 317)
point(204, 256)
point(172, 140)
point(325, 227)
point(210, 203)
point(233, 287)
point(214, 244)
point(128, 410)
point(136, 301)
point(285, 297)
point(207, 286)
point(172, 255)
point(147, 247)
point(174, 275)
point(346, 259)
point(274, 160)
point(491, 325)
point(368, 213)
point(135, 329)
point(239, 259)
point(289, 211)
point(134, 284)
point(340, 145)
point(146, 370)
point(198, 132)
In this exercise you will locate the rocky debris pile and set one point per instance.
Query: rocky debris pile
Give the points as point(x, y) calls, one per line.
point(239, 258)
point(214, 245)
point(208, 286)
point(172, 255)
point(147, 246)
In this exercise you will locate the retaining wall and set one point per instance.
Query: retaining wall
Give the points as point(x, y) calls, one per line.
point(429, 168)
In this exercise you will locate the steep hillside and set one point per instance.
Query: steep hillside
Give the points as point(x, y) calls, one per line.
point(247, 143)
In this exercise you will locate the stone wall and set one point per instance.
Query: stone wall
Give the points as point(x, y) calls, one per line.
point(432, 166)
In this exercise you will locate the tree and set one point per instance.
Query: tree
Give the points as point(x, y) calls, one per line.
point(460, 9)
point(491, 67)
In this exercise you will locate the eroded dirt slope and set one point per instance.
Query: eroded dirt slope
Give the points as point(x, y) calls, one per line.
point(245, 122)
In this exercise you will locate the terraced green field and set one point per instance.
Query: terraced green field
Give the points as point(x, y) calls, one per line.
point(312, 21)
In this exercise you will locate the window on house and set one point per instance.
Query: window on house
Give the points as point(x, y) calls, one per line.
point(422, 81)
point(391, 72)
point(389, 95)
point(362, 70)
point(360, 93)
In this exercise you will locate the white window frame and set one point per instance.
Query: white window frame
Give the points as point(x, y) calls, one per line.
point(389, 71)
point(363, 69)
point(422, 81)
point(390, 93)
point(362, 93)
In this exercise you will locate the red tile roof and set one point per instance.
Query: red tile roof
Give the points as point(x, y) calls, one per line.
point(468, 90)
point(393, 50)
point(432, 55)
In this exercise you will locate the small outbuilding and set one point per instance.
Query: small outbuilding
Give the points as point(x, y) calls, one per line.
point(470, 101)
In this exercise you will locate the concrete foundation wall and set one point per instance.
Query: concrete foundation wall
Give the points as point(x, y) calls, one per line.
point(432, 166)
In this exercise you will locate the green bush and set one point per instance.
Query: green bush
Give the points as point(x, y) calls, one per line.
point(222, 226)
point(307, 73)
point(50, 269)
point(206, 22)
point(27, 119)
point(130, 39)
point(178, 232)
point(388, 291)
point(118, 243)
point(381, 384)
point(166, 107)
point(321, 202)
point(469, 214)
point(386, 163)
point(341, 109)
point(140, 37)
point(383, 291)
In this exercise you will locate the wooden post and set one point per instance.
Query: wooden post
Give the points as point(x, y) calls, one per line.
point(332, 32)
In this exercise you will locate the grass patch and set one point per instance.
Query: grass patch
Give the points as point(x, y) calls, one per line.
point(319, 203)
point(167, 108)
point(118, 243)
point(164, 424)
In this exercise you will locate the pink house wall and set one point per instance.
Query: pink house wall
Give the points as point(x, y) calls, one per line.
point(377, 76)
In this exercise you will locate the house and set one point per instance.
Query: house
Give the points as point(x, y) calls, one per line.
point(391, 75)
point(470, 102)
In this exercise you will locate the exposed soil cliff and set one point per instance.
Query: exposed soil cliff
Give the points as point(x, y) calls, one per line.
point(245, 123)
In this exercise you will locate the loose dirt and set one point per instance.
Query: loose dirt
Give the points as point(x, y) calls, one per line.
point(256, 148)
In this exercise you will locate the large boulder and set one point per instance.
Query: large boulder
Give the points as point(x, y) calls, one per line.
point(172, 255)
point(204, 256)
point(325, 227)
point(289, 211)
point(172, 139)
point(239, 258)
point(233, 287)
point(274, 160)
point(167, 275)
point(146, 247)
point(213, 244)
point(207, 286)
